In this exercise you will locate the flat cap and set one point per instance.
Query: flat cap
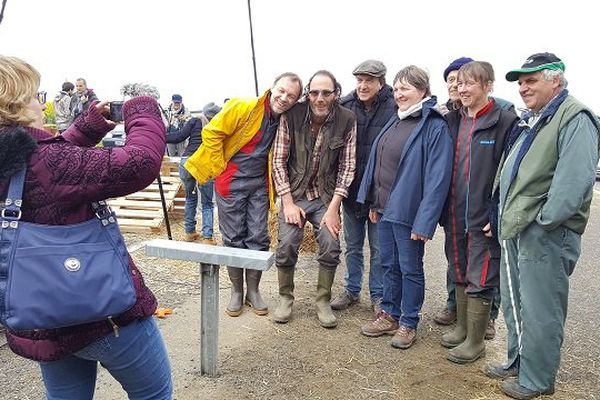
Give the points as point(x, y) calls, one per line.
point(370, 67)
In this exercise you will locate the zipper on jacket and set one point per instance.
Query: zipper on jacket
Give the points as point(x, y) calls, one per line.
point(470, 138)
point(114, 326)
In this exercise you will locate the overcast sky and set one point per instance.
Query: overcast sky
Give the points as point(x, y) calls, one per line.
point(201, 49)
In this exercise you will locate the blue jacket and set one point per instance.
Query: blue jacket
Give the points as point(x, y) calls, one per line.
point(424, 172)
point(193, 130)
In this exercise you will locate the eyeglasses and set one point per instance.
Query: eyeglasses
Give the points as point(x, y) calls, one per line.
point(325, 93)
point(41, 97)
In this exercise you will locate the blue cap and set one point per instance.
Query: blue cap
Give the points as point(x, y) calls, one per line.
point(455, 65)
point(176, 98)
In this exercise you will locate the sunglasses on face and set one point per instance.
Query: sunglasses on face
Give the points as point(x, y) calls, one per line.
point(325, 93)
point(41, 97)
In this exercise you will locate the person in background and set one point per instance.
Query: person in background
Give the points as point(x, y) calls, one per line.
point(82, 98)
point(447, 315)
point(313, 166)
point(177, 116)
point(373, 104)
point(478, 129)
point(192, 132)
point(65, 174)
point(62, 107)
point(236, 146)
point(406, 183)
point(544, 189)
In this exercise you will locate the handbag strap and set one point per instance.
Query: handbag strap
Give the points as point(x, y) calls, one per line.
point(10, 214)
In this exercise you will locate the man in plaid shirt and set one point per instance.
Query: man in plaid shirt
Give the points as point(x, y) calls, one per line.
point(313, 166)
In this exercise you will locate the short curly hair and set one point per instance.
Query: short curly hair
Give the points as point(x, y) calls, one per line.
point(19, 83)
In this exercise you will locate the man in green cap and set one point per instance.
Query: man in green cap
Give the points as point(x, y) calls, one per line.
point(544, 188)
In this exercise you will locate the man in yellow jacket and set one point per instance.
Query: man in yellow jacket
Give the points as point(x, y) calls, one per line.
point(235, 150)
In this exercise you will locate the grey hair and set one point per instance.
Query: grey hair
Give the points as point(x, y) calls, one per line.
point(550, 74)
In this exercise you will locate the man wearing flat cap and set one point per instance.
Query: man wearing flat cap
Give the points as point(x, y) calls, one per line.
point(177, 115)
point(544, 188)
point(373, 103)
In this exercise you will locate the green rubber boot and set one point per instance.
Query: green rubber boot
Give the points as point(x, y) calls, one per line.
point(323, 302)
point(459, 333)
point(478, 314)
point(283, 312)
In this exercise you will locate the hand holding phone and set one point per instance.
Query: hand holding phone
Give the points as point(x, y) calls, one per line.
point(116, 111)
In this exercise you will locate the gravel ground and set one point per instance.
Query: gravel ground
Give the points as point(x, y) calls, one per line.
point(301, 360)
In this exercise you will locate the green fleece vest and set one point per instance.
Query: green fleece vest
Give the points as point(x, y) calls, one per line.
point(335, 132)
point(527, 193)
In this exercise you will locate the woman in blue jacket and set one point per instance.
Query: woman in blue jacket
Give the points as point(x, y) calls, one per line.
point(405, 185)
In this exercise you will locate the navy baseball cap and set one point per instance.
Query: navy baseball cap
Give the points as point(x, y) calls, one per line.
point(176, 98)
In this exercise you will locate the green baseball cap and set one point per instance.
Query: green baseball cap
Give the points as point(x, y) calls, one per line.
point(537, 62)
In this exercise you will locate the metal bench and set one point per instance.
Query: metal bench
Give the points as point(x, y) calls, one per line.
point(210, 258)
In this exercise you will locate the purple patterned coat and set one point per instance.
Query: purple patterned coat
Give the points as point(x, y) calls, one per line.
point(64, 175)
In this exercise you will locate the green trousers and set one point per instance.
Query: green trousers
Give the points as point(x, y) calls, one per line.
point(534, 285)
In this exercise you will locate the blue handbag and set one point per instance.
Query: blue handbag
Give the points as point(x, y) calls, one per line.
point(53, 276)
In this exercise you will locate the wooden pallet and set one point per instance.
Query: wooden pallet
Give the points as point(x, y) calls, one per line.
point(142, 212)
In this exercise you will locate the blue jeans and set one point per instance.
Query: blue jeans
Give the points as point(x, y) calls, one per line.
point(354, 234)
point(137, 359)
point(403, 277)
point(192, 188)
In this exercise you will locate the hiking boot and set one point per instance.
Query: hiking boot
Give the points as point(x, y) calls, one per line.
point(445, 317)
point(344, 300)
point(209, 240)
point(490, 330)
point(383, 324)
point(191, 237)
point(404, 338)
point(512, 388)
point(376, 305)
point(497, 371)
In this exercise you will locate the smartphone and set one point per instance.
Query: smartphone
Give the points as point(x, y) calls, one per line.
point(116, 111)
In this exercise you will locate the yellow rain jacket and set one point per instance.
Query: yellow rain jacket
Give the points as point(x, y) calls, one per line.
point(224, 136)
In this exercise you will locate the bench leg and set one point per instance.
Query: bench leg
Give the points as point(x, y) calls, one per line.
point(209, 319)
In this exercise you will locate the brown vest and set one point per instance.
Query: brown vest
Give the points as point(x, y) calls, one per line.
point(335, 131)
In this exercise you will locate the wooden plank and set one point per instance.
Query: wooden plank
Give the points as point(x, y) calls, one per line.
point(144, 214)
point(135, 204)
point(139, 222)
point(150, 196)
point(138, 229)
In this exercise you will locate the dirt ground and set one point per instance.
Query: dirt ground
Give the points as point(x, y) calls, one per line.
point(301, 360)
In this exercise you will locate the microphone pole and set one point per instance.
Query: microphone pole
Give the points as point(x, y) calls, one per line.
point(252, 45)
point(162, 193)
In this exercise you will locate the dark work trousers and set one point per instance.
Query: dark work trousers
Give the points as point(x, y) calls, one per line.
point(290, 237)
point(244, 213)
point(474, 261)
point(535, 269)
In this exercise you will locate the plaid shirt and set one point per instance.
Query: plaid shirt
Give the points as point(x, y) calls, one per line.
point(346, 166)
